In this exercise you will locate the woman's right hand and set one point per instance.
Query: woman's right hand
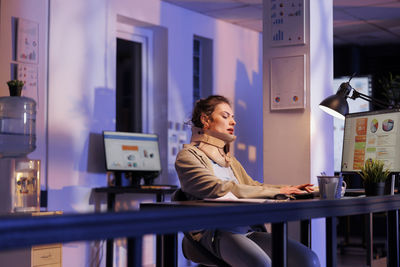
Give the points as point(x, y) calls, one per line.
point(290, 190)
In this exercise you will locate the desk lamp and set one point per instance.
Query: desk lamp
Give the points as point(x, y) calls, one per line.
point(337, 106)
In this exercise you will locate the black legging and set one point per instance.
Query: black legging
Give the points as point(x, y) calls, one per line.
point(253, 249)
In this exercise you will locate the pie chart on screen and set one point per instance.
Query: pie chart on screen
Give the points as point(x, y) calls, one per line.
point(387, 125)
point(374, 125)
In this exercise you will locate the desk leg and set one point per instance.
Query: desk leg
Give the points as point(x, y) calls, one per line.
point(393, 238)
point(110, 242)
point(169, 250)
point(134, 251)
point(109, 252)
point(369, 239)
point(331, 242)
point(305, 233)
point(159, 250)
point(279, 244)
point(160, 197)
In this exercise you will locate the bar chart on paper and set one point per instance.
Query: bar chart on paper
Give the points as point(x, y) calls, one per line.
point(287, 22)
point(278, 36)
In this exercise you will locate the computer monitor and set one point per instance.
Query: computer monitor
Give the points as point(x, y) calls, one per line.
point(363, 85)
point(134, 153)
point(371, 135)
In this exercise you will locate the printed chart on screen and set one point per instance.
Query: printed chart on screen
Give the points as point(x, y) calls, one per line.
point(371, 135)
point(131, 151)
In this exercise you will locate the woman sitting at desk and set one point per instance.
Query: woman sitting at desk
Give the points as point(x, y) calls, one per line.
point(206, 170)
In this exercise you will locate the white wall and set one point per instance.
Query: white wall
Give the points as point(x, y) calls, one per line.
point(35, 11)
point(298, 144)
point(81, 94)
point(321, 132)
point(237, 70)
point(82, 89)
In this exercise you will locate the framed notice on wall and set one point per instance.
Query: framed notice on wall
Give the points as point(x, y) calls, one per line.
point(28, 73)
point(27, 41)
point(288, 83)
point(286, 22)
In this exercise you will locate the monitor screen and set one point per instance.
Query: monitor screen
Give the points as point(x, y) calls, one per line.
point(131, 152)
point(371, 135)
point(363, 85)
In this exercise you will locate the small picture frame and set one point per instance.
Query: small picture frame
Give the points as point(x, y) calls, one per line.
point(27, 41)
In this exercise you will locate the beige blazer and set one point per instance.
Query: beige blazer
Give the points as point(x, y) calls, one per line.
point(198, 181)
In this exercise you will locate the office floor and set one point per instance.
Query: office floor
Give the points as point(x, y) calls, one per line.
point(348, 260)
point(355, 255)
point(351, 256)
point(358, 260)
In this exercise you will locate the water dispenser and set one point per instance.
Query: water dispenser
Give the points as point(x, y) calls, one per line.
point(20, 176)
point(17, 126)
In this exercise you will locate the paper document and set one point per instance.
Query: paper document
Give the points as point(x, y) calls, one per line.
point(230, 197)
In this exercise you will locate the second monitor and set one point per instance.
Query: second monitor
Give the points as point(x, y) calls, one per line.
point(134, 154)
point(371, 135)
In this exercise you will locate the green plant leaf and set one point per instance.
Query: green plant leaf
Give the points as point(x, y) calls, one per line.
point(374, 171)
point(15, 84)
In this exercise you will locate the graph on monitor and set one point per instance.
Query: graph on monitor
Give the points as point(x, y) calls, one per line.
point(131, 152)
point(371, 135)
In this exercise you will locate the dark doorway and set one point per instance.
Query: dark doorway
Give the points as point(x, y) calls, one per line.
point(129, 86)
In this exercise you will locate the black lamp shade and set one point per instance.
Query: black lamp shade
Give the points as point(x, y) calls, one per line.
point(335, 105)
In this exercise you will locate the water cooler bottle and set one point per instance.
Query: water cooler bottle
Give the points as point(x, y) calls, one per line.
point(19, 175)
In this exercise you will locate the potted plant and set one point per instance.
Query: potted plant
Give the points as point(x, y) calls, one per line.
point(15, 87)
point(374, 175)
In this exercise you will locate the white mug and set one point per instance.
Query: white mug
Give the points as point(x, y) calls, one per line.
point(344, 185)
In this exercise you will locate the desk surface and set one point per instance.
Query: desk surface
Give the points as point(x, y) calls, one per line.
point(144, 189)
point(19, 231)
point(359, 191)
point(354, 192)
point(291, 210)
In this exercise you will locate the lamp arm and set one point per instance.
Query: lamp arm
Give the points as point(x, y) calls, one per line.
point(368, 98)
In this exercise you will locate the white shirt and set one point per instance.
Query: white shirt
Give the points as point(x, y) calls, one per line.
point(224, 173)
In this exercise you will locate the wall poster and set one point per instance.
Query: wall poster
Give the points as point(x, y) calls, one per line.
point(28, 73)
point(286, 22)
point(288, 83)
point(27, 41)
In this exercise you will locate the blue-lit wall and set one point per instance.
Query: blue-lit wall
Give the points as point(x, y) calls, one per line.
point(81, 96)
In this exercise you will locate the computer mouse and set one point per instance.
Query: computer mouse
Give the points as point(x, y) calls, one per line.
point(304, 196)
point(281, 196)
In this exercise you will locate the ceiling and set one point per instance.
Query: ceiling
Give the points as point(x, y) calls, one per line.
point(355, 22)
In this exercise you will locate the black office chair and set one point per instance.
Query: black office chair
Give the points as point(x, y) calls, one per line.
point(192, 249)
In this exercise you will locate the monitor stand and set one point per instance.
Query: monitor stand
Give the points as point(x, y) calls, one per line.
point(136, 180)
point(133, 179)
point(118, 178)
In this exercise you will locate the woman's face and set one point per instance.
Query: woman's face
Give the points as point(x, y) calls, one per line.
point(221, 120)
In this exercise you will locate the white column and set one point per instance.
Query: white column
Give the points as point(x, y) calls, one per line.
point(298, 143)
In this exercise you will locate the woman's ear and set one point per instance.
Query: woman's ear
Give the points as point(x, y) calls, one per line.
point(204, 120)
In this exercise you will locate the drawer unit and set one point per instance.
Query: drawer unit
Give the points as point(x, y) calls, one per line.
point(48, 255)
point(37, 256)
point(45, 255)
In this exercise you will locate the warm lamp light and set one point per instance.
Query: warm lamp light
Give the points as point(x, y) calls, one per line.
point(337, 106)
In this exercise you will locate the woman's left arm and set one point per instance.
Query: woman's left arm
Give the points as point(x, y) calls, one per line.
point(284, 189)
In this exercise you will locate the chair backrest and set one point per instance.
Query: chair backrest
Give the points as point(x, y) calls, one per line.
point(196, 252)
point(192, 249)
point(179, 195)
